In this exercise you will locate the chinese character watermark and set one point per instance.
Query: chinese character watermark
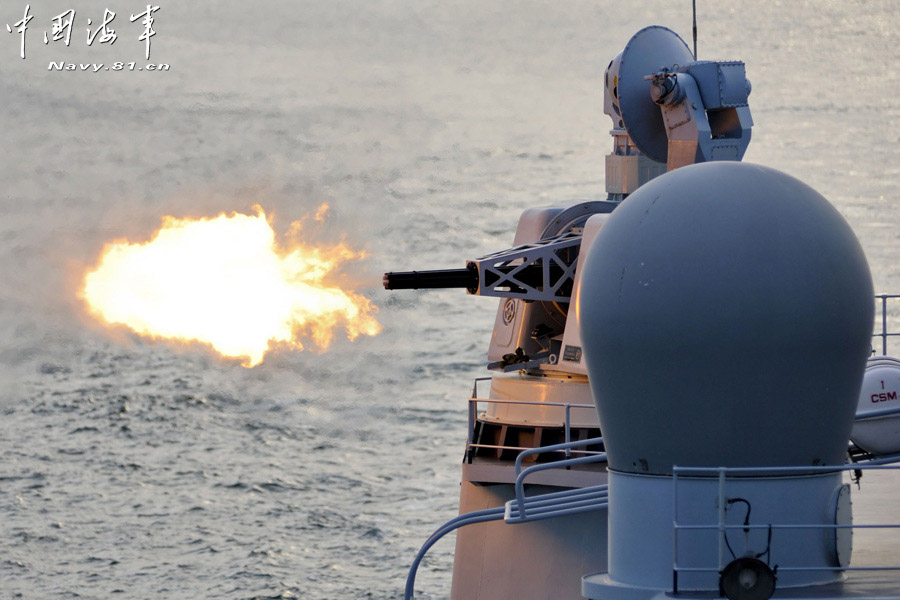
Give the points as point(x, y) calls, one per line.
point(22, 27)
point(147, 22)
point(107, 34)
point(63, 24)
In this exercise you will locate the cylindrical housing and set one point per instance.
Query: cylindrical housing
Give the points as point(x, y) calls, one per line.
point(642, 545)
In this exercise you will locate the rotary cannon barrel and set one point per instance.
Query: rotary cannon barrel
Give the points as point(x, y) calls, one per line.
point(444, 278)
point(496, 279)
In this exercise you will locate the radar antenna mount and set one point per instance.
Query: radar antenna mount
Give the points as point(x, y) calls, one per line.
point(670, 110)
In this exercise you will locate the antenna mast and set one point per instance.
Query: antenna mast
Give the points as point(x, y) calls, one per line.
point(694, 5)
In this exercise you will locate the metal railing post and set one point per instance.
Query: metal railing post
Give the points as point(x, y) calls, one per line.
point(568, 431)
point(721, 523)
point(473, 404)
point(674, 529)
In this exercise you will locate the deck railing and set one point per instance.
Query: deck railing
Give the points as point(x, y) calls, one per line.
point(566, 449)
point(887, 305)
point(526, 509)
point(722, 528)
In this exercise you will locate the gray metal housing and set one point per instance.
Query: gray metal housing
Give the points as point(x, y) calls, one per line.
point(726, 314)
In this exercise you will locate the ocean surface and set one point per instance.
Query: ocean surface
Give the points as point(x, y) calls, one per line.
point(134, 468)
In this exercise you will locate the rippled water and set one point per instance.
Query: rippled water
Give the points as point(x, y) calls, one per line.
point(142, 470)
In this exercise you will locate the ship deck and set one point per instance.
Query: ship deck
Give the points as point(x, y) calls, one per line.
point(859, 584)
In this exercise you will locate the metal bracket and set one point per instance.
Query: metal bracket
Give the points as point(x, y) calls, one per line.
point(543, 270)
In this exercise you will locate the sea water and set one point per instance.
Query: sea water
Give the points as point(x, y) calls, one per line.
point(134, 468)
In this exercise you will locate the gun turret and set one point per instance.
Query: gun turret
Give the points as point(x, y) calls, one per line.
point(540, 267)
point(535, 280)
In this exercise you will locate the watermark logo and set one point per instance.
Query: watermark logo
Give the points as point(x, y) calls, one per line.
point(147, 22)
point(63, 24)
point(107, 34)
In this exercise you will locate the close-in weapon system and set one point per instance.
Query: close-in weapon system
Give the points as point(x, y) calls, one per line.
point(668, 111)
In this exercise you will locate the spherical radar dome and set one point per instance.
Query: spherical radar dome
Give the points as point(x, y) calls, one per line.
point(726, 312)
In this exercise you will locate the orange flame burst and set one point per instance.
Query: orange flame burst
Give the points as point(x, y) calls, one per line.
point(225, 282)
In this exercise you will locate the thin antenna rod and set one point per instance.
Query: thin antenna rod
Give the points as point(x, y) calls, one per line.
point(694, 4)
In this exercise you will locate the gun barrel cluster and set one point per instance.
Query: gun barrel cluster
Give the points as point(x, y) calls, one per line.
point(443, 278)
